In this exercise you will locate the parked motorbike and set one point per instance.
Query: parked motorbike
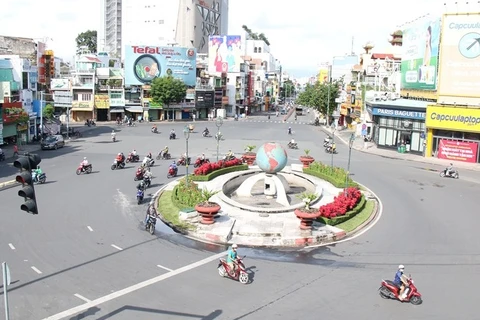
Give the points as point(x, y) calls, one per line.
point(150, 225)
point(138, 175)
point(452, 173)
point(240, 273)
point(117, 165)
point(181, 161)
point(132, 158)
point(163, 156)
point(140, 195)
point(84, 169)
point(292, 145)
point(389, 290)
point(148, 162)
point(173, 136)
point(172, 172)
point(40, 179)
point(199, 162)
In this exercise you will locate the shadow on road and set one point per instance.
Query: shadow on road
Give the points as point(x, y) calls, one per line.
point(181, 315)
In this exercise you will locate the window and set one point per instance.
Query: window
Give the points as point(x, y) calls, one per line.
point(259, 50)
point(25, 80)
point(75, 97)
point(161, 22)
point(85, 97)
point(255, 50)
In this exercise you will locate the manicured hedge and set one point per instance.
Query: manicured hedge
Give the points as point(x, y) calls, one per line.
point(352, 213)
point(323, 172)
point(219, 172)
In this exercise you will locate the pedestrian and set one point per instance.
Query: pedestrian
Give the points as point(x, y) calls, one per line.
point(15, 150)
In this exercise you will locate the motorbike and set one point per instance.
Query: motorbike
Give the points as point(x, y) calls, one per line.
point(172, 172)
point(81, 169)
point(330, 150)
point(228, 158)
point(90, 123)
point(131, 124)
point(240, 273)
point(173, 136)
point(138, 175)
point(327, 141)
point(114, 139)
point(154, 130)
point(140, 195)
point(292, 145)
point(163, 156)
point(150, 225)
point(449, 173)
point(2, 156)
point(117, 164)
point(181, 161)
point(199, 162)
point(147, 181)
point(132, 158)
point(148, 162)
point(317, 122)
point(206, 134)
point(41, 179)
point(389, 290)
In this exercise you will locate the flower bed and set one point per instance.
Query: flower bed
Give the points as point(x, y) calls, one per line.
point(186, 195)
point(219, 172)
point(335, 176)
point(344, 206)
point(210, 167)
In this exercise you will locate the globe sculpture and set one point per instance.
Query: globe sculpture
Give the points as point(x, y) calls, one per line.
point(271, 157)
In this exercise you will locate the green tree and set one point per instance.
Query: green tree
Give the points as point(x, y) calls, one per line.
point(321, 96)
point(48, 111)
point(167, 90)
point(288, 89)
point(87, 39)
point(255, 36)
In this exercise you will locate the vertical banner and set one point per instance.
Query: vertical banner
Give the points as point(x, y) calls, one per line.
point(458, 150)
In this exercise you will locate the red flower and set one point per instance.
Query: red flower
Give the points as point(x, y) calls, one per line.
point(342, 203)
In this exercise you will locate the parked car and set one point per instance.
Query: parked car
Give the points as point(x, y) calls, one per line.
point(53, 142)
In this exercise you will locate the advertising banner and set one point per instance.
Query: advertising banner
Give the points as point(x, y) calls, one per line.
point(102, 101)
point(143, 64)
point(457, 150)
point(421, 40)
point(460, 60)
point(224, 53)
point(450, 118)
point(323, 75)
point(59, 84)
point(12, 112)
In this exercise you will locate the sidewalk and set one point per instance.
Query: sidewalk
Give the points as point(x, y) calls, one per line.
point(371, 148)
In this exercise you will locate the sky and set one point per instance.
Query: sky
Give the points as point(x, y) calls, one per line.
point(303, 33)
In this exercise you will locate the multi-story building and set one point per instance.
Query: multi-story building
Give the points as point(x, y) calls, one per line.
point(83, 87)
point(109, 94)
point(342, 67)
point(109, 36)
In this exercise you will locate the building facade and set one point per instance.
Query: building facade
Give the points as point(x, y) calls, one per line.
point(109, 36)
point(83, 87)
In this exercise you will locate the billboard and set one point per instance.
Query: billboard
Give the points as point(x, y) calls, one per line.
point(460, 60)
point(420, 54)
point(453, 118)
point(60, 84)
point(145, 63)
point(224, 53)
point(323, 76)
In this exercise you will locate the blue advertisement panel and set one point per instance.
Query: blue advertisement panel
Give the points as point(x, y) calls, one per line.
point(145, 63)
point(417, 115)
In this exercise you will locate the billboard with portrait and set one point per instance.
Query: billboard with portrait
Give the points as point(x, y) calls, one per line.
point(459, 80)
point(420, 54)
point(145, 63)
point(224, 54)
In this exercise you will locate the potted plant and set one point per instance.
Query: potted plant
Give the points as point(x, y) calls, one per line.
point(249, 156)
point(306, 159)
point(307, 214)
point(207, 209)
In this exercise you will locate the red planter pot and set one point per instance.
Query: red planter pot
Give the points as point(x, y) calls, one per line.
point(306, 218)
point(306, 161)
point(249, 158)
point(208, 213)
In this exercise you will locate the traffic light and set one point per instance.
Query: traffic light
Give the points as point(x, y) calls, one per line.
point(26, 164)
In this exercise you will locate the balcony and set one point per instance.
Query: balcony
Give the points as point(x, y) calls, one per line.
point(203, 87)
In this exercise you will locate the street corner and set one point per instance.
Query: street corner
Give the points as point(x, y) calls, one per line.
point(8, 184)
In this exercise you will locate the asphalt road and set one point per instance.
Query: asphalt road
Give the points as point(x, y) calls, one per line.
point(87, 243)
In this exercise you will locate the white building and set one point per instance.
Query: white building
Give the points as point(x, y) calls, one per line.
point(185, 23)
point(259, 50)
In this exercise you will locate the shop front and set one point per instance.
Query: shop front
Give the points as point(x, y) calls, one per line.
point(102, 105)
point(182, 111)
point(15, 123)
point(117, 105)
point(135, 112)
point(396, 127)
point(155, 110)
point(82, 110)
point(453, 133)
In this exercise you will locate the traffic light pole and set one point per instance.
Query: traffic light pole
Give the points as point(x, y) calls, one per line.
point(26, 163)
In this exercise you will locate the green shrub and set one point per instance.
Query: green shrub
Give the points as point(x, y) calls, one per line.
point(186, 195)
point(219, 172)
point(350, 214)
point(335, 175)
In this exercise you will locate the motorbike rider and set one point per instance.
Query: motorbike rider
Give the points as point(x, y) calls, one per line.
point(232, 259)
point(151, 213)
point(164, 152)
point(292, 143)
point(229, 155)
point(84, 163)
point(289, 130)
point(202, 157)
point(173, 166)
point(154, 128)
point(134, 153)
point(119, 158)
point(36, 173)
point(172, 133)
point(449, 171)
point(401, 281)
point(142, 186)
point(206, 132)
point(113, 134)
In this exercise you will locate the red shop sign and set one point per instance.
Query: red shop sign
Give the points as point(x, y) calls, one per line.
point(458, 150)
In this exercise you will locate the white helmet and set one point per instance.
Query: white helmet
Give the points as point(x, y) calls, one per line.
point(401, 267)
point(84, 158)
point(234, 246)
point(166, 147)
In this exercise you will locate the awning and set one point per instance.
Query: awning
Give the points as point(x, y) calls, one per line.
point(116, 110)
point(135, 109)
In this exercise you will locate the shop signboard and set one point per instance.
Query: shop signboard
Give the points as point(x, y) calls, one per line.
point(13, 112)
point(451, 118)
point(145, 63)
point(205, 99)
point(102, 101)
point(406, 114)
point(421, 40)
point(459, 66)
point(224, 53)
point(60, 84)
point(457, 150)
point(82, 106)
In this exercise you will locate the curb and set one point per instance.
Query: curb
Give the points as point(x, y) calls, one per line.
point(8, 184)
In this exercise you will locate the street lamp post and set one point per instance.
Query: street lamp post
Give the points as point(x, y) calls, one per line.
point(186, 133)
point(350, 145)
point(333, 142)
point(218, 123)
point(42, 98)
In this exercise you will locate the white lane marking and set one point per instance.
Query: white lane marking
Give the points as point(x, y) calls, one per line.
point(36, 270)
point(11, 246)
point(164, 268)
point(117, 247)
point(82, 297)
point(135, 287)
point(89, 228)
